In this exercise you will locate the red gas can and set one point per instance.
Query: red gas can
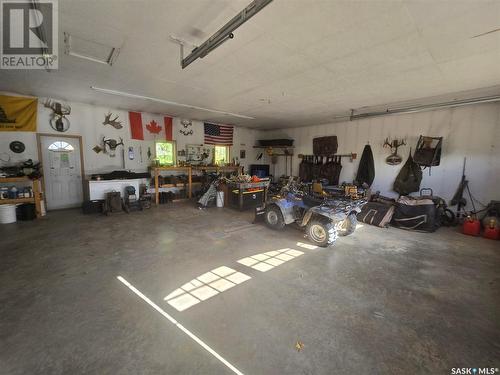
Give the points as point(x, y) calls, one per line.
point(472, 227)
point(491, 231)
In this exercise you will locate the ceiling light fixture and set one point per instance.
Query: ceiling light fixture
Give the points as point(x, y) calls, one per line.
point(135, 96)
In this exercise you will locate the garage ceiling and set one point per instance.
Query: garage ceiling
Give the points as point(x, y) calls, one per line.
point(298, 62)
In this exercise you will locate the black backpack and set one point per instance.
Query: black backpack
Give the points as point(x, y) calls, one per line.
point(409, 178)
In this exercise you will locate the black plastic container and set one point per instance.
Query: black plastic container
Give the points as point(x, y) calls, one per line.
point(92, 207)
point(251, 199)
point(26, 211)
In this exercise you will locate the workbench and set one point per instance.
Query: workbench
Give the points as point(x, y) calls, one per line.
point(243, 187)
point(189, 171)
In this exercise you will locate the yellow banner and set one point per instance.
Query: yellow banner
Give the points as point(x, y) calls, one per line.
point(18, 114)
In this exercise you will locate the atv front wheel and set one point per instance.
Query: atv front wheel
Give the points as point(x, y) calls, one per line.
point(274, 218)
point(323, 233)
point(348, 225)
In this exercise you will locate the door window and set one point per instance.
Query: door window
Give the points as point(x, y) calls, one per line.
point(60, 146)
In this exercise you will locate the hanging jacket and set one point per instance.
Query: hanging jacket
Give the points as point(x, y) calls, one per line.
point(366, 169)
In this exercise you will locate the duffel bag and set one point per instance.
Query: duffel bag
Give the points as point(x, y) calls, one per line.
point(376, 213)
point(418, 214)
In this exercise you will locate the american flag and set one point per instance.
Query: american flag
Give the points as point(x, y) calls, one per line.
point(218, 134)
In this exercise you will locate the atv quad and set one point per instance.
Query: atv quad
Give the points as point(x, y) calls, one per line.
point(324, 219)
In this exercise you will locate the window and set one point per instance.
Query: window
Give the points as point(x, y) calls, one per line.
point(60, 146)
point(165, 153)
point(221, 155)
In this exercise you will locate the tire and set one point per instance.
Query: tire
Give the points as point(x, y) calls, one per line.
point(274, 218)
point(322, 232)
point(348, 225)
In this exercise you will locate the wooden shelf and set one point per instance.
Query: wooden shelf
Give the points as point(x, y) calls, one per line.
point(173, 168)
point(227, 168)
point(37, 196)
point(178, 186)
point(14, 179)
point(189, 184)
point(17, 200)
point(273, 146)
point(184, 186)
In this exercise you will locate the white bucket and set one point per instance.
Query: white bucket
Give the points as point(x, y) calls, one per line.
point(7, 213)
point(220, 199)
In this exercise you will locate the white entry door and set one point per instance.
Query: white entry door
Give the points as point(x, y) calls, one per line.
point(61, 171)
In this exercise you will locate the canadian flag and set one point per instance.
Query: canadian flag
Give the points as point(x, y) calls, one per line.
point(150, 127)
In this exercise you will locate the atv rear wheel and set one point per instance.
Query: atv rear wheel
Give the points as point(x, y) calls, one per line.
point(348, 225)
point(322, 232)
point(274, 218)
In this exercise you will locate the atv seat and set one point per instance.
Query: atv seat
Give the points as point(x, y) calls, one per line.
point(310, 201)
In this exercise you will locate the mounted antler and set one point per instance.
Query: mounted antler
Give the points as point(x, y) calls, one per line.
point(58, 121)
point(394, 158)
point(112, 144)
point(57, 108)
point(113, 122)
point(395, 143)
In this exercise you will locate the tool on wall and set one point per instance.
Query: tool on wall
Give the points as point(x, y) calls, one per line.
point(394, 158)
point(140, 153)
point(113, 122)
point(58, 120)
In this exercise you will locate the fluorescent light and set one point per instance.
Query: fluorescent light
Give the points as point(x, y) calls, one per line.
point(135, 96)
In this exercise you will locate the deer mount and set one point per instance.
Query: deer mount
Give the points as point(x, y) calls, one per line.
point(394, 158)
point(58, 120)
point(110, 145)
point(186, 132)
point(113, 122)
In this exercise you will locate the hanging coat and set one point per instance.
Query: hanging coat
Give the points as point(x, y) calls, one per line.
point(409, 178)
point(366, 169)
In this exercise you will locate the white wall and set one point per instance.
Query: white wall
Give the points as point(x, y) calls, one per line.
point(470, 131)
point(86, 120)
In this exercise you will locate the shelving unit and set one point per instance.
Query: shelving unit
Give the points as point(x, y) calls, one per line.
point(157, 171)
point(190, 183)
point(219, 169)
point(36, 199)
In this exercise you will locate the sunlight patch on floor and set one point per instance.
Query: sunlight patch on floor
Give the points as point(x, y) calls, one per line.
point(183, 329)
point(306, 246)
point(266, 261)
point(204, 287)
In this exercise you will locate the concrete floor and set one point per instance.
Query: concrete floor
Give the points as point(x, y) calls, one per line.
point(383, 301)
